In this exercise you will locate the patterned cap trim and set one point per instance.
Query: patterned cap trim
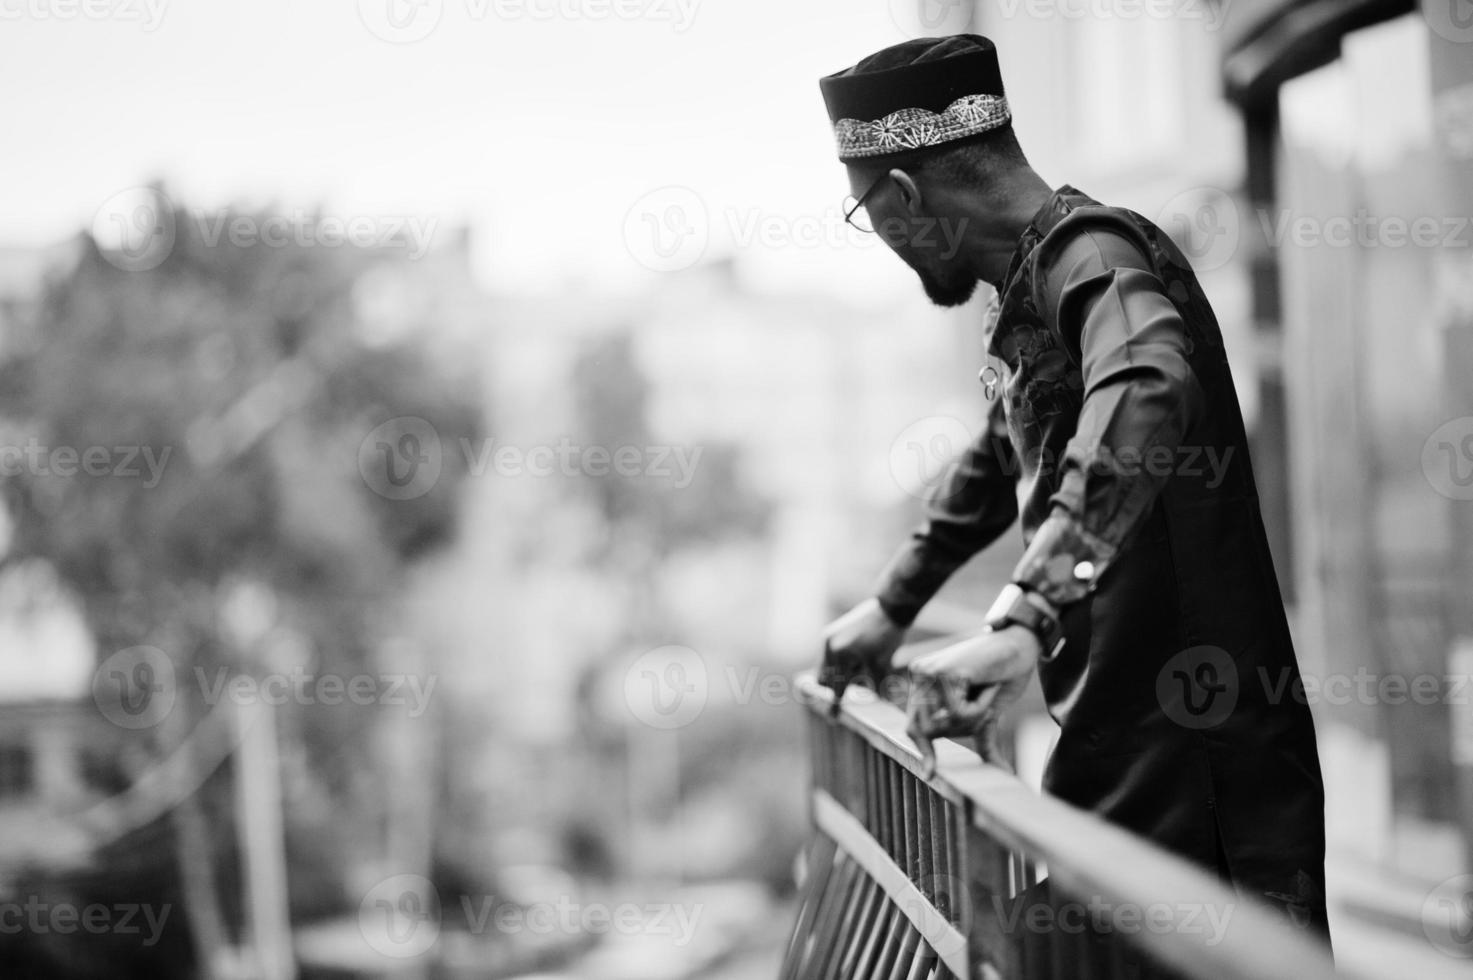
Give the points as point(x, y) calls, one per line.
point(916, 129)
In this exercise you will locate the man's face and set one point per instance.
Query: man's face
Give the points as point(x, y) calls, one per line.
point(927, 238)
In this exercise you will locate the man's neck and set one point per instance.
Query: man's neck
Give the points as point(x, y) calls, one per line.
point(1004, 213)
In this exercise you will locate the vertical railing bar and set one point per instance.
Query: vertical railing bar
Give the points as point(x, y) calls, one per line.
point(887, 827)
point(862, 926)
point(910, 942)
point(921, 875)
point(897, 813)
point(954, 852)
point(821, 855)
point(889, 950)
point(831, 922)
point(943, 882)
point(908, 822)
point(925, 961)
point(878, 931)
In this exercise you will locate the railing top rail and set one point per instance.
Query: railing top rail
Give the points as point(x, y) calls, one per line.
point(1089, 858)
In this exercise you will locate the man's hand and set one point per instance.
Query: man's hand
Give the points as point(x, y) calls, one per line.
point(858, 646)
point(962, 689)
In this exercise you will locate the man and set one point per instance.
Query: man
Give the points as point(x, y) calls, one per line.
point(1146, 597)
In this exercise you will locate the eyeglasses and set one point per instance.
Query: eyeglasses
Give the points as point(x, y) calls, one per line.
point(854, 210)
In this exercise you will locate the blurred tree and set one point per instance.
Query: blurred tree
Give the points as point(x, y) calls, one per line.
point(648, 519)
point(224, 395)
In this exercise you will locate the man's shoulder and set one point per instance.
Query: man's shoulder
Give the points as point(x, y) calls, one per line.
point(1092, 239)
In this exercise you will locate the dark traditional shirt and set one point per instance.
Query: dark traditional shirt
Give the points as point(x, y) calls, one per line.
point(1116, 435)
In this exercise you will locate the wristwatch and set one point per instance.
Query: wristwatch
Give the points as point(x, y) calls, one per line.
point(1015, 606)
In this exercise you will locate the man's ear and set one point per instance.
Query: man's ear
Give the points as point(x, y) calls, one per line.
point(910, 194)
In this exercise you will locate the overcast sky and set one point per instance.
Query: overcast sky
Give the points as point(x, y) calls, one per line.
point(544, 122)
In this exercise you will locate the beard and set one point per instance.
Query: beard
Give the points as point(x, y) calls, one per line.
point(953, 289)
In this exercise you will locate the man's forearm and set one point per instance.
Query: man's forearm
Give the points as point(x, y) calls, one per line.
point(965, 512)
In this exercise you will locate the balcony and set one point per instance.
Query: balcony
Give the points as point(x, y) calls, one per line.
point(970, 874)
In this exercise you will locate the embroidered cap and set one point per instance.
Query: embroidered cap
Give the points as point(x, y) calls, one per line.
point(915, 95)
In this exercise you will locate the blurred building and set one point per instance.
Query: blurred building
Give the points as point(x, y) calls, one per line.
point(1256, 133)
point(1360, 180)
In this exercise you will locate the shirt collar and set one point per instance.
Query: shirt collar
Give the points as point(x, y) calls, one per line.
point(1039, 225)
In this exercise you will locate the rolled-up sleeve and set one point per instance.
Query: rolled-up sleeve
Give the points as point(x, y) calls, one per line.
point(973, 503)
point(1141, 399)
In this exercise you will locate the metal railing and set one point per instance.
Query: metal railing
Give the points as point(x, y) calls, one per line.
point(972, 875)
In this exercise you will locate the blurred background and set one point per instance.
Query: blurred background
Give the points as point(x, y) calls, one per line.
point(432, 433)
